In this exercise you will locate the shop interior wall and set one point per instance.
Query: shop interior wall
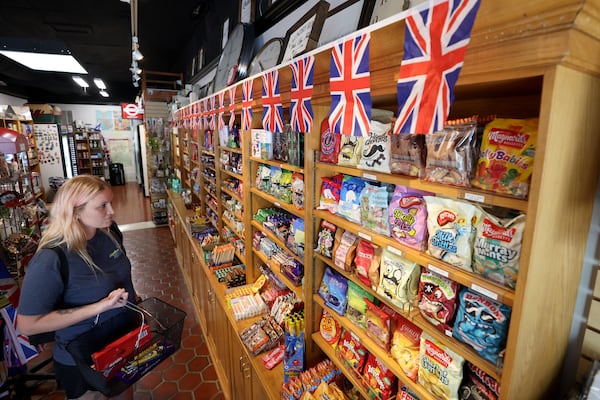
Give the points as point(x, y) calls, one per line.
point(119, 134)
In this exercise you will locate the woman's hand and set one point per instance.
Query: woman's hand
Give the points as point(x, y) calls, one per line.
point(59, 319)
point(115, 299)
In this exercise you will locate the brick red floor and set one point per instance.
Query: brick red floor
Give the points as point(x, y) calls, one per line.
point(189, 373)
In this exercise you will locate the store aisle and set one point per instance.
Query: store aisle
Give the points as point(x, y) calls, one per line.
point(189, 374)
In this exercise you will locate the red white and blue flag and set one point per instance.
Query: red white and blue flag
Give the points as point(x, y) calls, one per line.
point(435, 43)
point(350, 87)
point(212, 111)
point(17, 348)
point(301, 112)
point(199, 116)
point(271, 99)
point(231, 91)
point(205, 113)
point(247, 104)
point(221, 109)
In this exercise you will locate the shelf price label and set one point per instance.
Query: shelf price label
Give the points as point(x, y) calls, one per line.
point(364, 236)
point(475, 197)
point(437, 270)
point(370, 177)
point(395, 251)
point(276, 203)
point(484, 291)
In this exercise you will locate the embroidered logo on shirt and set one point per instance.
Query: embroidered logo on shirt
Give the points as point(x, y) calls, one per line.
point(116, 253)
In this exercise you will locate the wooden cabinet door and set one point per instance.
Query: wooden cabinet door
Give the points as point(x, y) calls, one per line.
point(241, 370)
point(221, 339)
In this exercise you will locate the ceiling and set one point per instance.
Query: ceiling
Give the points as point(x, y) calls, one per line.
point(98, 34)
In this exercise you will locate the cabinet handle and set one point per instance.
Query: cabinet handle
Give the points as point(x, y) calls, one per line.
point(241, 364)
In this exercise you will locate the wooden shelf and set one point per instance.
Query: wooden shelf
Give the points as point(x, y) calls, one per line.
point(278, 203)
point(471, 194)
point(465, 278)
point(230, 149)
point(231, 193)
point(275, 239)
point(230, 225)
point(416, 318)
point(279, 164)
point(232, 174)
point(273, 267)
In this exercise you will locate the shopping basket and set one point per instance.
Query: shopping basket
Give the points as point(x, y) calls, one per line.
point(131, 359)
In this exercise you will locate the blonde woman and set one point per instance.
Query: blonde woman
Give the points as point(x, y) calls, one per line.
point(98, 283)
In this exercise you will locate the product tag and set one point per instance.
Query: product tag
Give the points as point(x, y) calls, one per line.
point(370, 177)
point(394, 250)
point(475, 197)
point(437, 270)
point(364, 236)
point(484, 291)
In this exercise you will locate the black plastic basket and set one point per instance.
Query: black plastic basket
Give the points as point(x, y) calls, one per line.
point(166, 326)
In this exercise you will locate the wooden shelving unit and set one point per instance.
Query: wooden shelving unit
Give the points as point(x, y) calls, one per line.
point(534, 62)
point(89, 152)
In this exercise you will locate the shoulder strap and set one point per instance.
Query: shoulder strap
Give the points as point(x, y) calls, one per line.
point(114, 229)
point(64, 265)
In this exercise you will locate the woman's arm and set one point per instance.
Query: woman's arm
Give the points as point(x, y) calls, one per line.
point(59, 319)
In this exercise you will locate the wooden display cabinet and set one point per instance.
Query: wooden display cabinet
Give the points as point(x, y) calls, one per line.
point(89, 152)
point(538, 62)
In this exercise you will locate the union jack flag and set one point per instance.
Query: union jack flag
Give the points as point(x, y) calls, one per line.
point(435, 43)
point(301, 113)
point(247, 104)
point(221, 109)
point(199, 116)
point(212, 110)
point(350, 87)
point(17, 348)
point(194, 116)
point(231, 106)
point(272, 108)
point(205, 113)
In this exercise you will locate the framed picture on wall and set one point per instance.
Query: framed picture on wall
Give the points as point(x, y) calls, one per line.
point(344, 19)
point(247, 8)
point(304, 35)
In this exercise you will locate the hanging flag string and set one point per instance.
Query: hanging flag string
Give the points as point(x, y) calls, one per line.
point(301, 112)
point(435, 43)
point(247, 104)
point(272, 108)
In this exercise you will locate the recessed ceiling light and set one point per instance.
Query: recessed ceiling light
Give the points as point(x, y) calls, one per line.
point(99, 83)
point(81, 82)
point(45, 61)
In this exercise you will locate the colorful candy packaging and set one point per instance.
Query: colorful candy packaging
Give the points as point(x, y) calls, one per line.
point(451, 227)
point(367, 260)
point(349, 205)
point(398, 279)
point(408, 217)
point(330, 144)
point(437, 300)
point(497, 248)
point(374, 208)
point(408, 154)
point(326, 239)
point(330, 193)
point(333, 290)
point(350, 150)
point(330, 329)
point(379, 323)
point(507, 152)
point(379, 378)
point(477, 385)
point(352, 352)
point(482, 323)
point(441, 369)
point(376, 150)
point(356, 310)
point(344, 248)
point(451, 155)
point(405, 346)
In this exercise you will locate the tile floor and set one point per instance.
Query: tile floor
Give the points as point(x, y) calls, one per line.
point(189, 373)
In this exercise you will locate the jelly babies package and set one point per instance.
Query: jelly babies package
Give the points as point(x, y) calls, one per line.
point(506, 159)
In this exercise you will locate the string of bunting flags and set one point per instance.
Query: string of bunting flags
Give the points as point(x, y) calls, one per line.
point(435, 44)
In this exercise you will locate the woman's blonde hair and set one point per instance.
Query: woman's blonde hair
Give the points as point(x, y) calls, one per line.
point(63, 227)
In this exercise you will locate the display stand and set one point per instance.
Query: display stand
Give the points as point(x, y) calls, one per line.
point(530, 63)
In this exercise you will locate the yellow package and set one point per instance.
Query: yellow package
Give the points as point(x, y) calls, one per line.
point(507, 152)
